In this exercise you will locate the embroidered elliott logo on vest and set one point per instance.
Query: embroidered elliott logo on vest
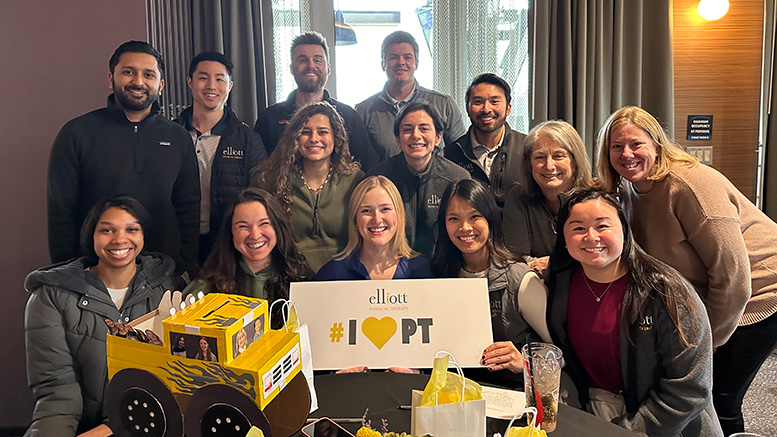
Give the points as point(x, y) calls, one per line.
point(646, 324)
point(433, 201)
point(232, 153)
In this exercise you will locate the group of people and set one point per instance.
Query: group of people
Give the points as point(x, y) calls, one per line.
point(657, 279)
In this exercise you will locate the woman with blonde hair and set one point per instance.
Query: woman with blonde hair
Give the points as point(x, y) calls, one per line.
point(312, 173)
point(377, 246)
point(554, 163)
point(694, 219)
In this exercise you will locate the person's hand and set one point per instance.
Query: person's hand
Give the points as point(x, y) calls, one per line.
point(101, 431)
point(540, 265)
point(402, 370)
point(502, 355)
point(355, 369)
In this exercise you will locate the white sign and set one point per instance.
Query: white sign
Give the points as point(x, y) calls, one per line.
point(401, 322)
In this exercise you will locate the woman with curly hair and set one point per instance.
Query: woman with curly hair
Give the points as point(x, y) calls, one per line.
point(254, 253)
point(312, 173)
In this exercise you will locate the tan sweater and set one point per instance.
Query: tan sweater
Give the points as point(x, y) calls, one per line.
point(695, 220)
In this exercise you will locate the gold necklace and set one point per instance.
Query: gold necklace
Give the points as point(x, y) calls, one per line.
point(315, 190)
point(598, 298)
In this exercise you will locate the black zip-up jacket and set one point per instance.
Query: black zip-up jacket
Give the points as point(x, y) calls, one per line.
point(102, 154)
point(239, 150)
point(505, 168)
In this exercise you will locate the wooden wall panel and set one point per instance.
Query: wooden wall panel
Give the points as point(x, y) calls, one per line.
point(718, 71)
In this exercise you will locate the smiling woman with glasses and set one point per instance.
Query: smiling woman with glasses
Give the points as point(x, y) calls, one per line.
point(312, 173)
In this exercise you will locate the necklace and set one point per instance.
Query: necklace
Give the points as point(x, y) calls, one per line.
point(598, 298)
point(475, 271)
point(316, 190)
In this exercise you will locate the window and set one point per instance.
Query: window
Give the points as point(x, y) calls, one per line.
point(458, 39)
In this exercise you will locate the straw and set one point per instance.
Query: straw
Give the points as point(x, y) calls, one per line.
point(537, 400)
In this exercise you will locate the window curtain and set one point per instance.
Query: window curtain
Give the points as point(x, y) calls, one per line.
point(471, 37)
point(770, 143)
point(180, 29)
point(170, 31)
point(590, 57)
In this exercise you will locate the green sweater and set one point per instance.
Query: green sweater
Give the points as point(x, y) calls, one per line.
point(254, 287)
point(320, 220)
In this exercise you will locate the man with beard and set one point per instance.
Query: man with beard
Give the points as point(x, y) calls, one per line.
point(127, 148)
point(399, 59)
point(310, 67)
point(490, 150)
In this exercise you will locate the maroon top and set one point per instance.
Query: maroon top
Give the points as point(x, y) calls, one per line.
point(594, 328)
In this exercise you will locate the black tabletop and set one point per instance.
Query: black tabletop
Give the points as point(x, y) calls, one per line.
point(350, 395)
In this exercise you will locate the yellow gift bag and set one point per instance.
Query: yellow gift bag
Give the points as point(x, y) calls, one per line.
point(525, 431)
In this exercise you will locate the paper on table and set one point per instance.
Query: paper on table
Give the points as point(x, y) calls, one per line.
point(503, 404)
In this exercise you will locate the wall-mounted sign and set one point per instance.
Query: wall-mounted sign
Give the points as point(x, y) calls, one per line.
point(702, 153)
point(699, 127)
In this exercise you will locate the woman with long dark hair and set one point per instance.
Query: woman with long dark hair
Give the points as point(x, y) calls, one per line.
point(312, 173)
point(254, 253)
point(204, 352)
point(635, 336)
point(470, 245)
point(694, 219)
point(65, 319)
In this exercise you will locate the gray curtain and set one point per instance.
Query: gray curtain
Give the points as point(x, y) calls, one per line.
point(170, 32)
point(590, 57)
point(236, 28)
point(182, 28)
point(770, 146)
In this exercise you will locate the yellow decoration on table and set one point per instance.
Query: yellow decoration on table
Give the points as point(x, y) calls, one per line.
point(366, 432)
point(445, 387)
point(526, 431)
point(255, 432)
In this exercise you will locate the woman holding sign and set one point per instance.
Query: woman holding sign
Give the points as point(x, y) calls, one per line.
point(635, 336)
point(377, 247)
point(470, 245)
point(254, 253)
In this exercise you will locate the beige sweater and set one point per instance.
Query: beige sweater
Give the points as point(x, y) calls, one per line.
point(695, 220)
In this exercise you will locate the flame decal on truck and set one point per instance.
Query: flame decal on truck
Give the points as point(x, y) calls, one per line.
point(188, 378)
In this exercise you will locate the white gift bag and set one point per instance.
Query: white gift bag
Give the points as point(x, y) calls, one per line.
point(304, 345)
point(458, 419)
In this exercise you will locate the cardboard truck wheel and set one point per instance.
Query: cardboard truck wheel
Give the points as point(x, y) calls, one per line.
point(223, 411)
point(139, 404)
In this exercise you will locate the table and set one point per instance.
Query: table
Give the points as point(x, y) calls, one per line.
point(348, 395)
